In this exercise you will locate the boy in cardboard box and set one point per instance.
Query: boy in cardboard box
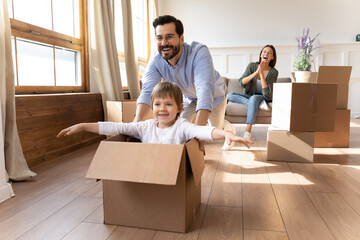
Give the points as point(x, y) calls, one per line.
point(167, 127)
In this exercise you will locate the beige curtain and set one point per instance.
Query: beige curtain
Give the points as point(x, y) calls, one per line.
point(15, 162)
point(103, 51)
point(130, 56)
point(153, 13)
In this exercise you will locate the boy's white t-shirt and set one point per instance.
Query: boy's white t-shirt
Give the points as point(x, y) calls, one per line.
point(148, 132)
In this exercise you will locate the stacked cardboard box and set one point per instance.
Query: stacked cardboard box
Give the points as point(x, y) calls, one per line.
point(123, 111)
point(339, 75)
point(299, 110)
point(310, 118)
point(339, 138)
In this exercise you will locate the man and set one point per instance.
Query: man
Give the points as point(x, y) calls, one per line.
point(190, 67)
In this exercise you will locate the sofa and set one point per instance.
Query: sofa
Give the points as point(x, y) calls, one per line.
point(236, 113)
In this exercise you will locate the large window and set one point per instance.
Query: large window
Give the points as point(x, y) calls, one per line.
point(50, 49)
point(140, 35)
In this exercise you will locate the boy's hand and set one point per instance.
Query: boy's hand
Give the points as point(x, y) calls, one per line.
point(231, 137)
point(70, 130)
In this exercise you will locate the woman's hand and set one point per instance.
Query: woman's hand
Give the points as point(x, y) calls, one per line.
point(262, 66)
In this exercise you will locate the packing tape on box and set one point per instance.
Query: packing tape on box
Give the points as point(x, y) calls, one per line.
point(314, 106)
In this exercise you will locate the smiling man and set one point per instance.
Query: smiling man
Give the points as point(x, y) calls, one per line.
point(189, 66)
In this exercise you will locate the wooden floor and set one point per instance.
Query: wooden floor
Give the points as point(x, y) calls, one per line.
point(243, 197)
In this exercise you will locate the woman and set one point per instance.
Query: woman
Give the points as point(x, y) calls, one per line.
point(263, 70)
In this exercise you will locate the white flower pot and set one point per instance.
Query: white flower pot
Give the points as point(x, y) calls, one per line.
point(302, 76)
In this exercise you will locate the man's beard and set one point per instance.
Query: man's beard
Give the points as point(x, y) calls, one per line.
point(176, 50)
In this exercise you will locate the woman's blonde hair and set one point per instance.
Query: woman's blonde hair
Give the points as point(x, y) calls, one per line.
point(167, 89)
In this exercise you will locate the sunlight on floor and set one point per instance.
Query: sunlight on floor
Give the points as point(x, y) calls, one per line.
point(352, 166)
point(354, 124)
point(337, 151)
point(263, 178)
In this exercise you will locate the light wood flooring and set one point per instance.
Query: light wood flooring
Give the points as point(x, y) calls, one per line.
point(243, 197)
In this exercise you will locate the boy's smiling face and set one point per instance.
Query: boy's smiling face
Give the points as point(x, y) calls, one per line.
point(165, 111)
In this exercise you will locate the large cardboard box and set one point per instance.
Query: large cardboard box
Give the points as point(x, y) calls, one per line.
point(123, 111)
point(288, 146)
point(155, 186)
point(339, 75)
point(304, 107)
point(339, 138)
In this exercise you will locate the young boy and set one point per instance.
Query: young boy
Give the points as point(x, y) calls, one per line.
point(166, 127)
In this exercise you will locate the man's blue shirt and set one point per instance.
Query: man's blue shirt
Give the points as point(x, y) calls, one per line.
point(194, 74)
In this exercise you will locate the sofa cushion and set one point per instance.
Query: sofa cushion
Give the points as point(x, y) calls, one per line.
point(234, 86)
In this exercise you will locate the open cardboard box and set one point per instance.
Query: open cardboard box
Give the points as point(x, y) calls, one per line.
point(339, 75)
point(155, 186)
point(123, 111)
point(304, 107)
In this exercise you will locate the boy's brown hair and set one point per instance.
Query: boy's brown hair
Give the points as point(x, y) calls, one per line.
point(167, 89)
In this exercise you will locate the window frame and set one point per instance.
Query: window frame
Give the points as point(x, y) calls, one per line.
point(31, 32)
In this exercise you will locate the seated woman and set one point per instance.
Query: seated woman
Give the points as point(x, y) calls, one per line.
point(265, 71)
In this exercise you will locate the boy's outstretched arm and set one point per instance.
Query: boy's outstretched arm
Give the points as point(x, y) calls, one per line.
point(88, 127)
point(229, 137)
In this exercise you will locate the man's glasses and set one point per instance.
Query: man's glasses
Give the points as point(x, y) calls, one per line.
point(168, 38)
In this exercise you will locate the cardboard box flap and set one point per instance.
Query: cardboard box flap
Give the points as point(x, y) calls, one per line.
point(196, 157)
point(334, 74)
point(132, 162)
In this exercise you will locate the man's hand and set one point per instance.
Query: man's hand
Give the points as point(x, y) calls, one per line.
point(202, 117)
point(141, 110)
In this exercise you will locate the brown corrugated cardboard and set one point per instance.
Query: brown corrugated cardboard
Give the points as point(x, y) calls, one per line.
point(339, 75)
point(304, 107)
point(155, 186)
point(338, 138)
point(289, 146)
point(123, 111)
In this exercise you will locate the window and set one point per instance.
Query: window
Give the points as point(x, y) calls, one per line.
point(140, 35)
point(50, 49)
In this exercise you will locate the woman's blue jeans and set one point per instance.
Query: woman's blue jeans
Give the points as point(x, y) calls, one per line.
point(252, 103)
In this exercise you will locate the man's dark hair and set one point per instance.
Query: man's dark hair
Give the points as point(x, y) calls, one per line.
point(162, 20)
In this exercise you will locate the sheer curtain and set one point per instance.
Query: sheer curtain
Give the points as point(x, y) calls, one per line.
point(130, 56)
point(103, 51)
point(153, 13)
point(11, 155)
point(131, 64)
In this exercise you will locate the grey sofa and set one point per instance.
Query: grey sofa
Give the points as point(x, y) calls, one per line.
point(236, 113)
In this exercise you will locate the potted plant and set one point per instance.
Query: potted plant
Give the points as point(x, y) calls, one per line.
point(302, 63)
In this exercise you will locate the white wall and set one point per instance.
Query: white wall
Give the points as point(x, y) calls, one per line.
point(233, 23)
point(235, 31)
